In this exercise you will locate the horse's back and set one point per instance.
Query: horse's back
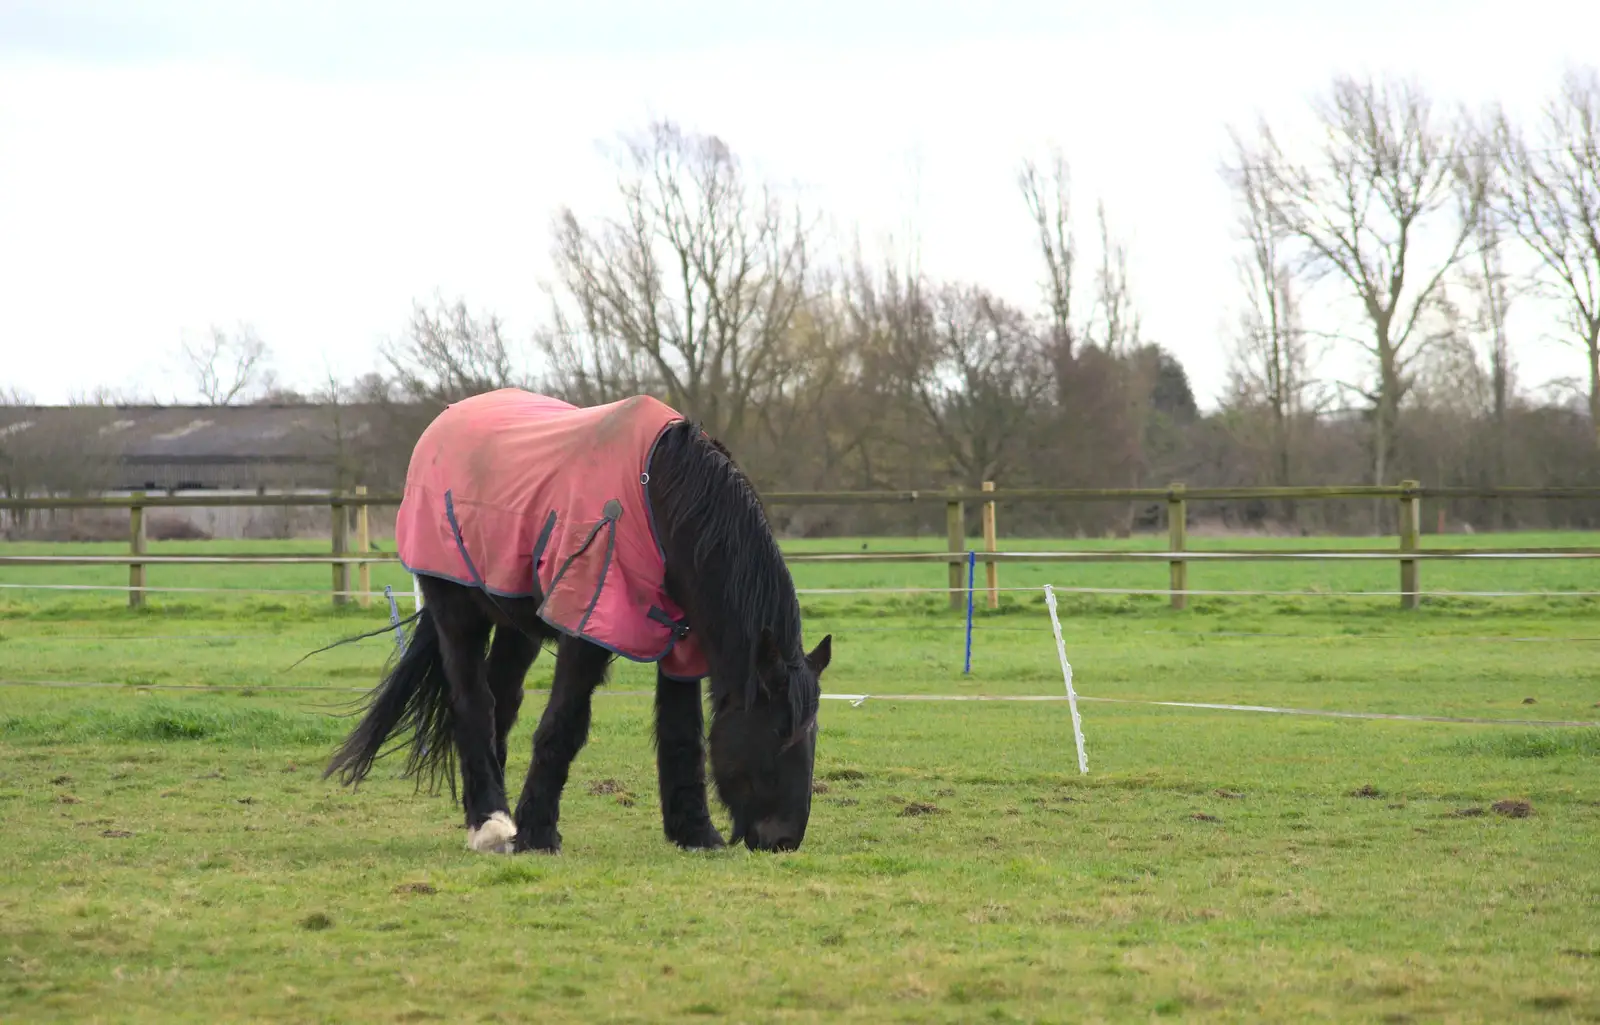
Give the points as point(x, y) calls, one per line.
point(508, 490)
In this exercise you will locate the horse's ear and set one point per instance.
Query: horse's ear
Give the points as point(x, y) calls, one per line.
point(821, 655)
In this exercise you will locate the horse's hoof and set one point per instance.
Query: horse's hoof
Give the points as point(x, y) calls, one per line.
point(495, 836)
point(548, 842)
point(710, 840)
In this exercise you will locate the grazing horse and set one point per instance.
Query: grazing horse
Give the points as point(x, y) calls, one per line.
point(619, 529)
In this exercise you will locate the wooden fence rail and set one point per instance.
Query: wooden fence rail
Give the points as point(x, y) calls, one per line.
point(934, 496)
point(350, 512)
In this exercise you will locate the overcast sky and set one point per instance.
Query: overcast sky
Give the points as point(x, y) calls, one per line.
point(312, 167)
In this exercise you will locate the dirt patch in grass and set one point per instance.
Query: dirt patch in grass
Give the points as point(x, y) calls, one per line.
point(1512, 809)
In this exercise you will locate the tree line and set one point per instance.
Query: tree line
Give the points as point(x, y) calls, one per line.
point(1400, 244)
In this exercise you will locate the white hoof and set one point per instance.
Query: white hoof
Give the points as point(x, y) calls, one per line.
point(494, 836)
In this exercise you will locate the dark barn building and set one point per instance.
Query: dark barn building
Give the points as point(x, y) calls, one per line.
point(262, 449)
point(96, 449)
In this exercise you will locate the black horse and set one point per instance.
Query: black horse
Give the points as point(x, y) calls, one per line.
point(457, 693)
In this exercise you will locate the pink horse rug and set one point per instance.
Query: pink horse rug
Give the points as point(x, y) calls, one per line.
point(509, 488)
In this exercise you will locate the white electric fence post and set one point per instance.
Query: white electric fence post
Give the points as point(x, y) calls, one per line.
point(1066, 671)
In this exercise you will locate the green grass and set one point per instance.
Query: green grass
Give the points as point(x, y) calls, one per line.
point(168, 851)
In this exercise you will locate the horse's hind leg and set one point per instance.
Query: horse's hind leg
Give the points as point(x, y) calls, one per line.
point(463, 634)
point(681, 764)
point(512, 652)
point(563, 730)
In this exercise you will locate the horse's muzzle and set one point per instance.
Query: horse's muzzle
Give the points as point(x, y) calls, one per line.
point(774, 834)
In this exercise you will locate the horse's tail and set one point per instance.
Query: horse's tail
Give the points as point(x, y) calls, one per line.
point(414, 697)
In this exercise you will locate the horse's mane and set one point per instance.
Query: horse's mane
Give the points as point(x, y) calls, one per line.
point(711, 514)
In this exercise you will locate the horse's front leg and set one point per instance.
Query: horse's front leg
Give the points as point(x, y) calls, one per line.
point(681, 764)
point(562, 732)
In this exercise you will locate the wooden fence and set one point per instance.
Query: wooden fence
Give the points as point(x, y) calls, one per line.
point(349, 514)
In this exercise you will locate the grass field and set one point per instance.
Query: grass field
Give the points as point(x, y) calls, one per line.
point(168, 853)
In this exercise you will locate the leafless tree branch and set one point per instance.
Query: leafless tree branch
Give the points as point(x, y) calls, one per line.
point(226, 368)
point(1387, 209)
point(1548, 193)
point(691, 292)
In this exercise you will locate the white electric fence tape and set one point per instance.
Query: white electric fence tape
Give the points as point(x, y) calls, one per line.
point(1066, 671)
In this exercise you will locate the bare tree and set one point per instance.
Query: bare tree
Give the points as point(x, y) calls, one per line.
point(1270, 367)
point(1549, 194)
point(342, 430)
point(1113, 322)
point(822, 390)
point(1048, 196)
point(690, 292)
point(1451, 374)
point(447, 354)
point(977, 372)
point(884, 327)
point(1493, 289)
point(1391, 183)
point(228, 368)
point(1104, 377)
point(1115, 328)
point(1116, 324)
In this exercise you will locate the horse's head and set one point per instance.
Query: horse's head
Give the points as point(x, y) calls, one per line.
point(763, 747)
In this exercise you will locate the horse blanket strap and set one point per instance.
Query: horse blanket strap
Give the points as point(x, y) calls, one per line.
point(679, 627)
point(522, 494)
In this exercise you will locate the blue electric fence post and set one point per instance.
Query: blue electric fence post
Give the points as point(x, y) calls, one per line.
point(972, 569)
point(394, 617)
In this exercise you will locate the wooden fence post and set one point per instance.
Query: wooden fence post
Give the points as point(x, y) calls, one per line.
point(363, 547)
point(990, 540)
point(341, 548)
point(136, 546)
point(1177, 541)
point(955, 521)
point(1410, 533)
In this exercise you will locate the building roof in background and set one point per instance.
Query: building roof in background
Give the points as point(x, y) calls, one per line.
point(268, 433)
point(187, 447)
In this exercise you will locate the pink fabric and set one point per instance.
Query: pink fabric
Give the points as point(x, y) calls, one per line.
point(540, 488)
